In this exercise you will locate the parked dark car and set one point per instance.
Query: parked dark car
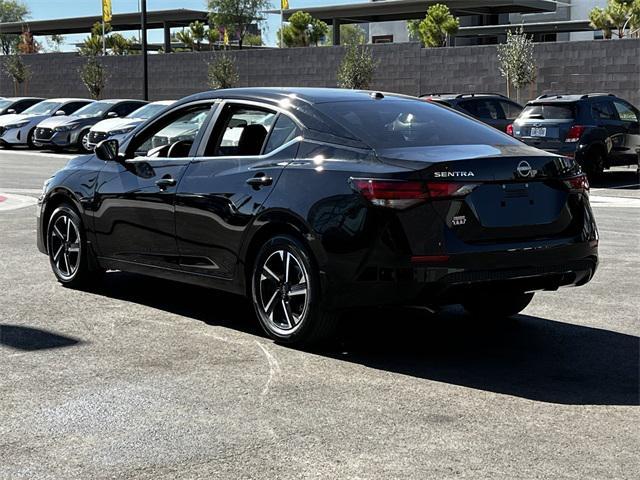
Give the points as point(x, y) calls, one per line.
point(491, 108)
point(313, 201)
point(12, 105)
point(599, 130)
point(73, 131)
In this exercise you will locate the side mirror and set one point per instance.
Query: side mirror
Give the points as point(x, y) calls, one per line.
point(60, 113)
point(107, 150)
point(112, 115)
point(11, 110)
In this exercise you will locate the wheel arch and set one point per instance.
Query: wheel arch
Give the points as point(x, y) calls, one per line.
point(54, 199)
point(272, 224)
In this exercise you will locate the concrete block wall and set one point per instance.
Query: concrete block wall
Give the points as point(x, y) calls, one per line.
point(586, 66)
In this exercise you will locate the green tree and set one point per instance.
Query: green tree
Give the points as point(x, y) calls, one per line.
point(350, 34)
point(253, 40)
point(119, 45)
point(55, 42)
point(94, 76)
point(616, 17)
point(198, 33)
point(186, 38)
point(303, 30)
point(237, 15)
point(17, 71)
point(436, 26)
point(517, 63)
point(213, 36)
point(223, 73)
point(357, 68)
point(93, 44)
point(11, 11)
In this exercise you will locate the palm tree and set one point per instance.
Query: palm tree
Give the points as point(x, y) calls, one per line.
point(185, 37)
point(198, 33)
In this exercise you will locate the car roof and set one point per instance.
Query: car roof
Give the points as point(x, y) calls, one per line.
point(463, 96)
point(120, 100)
point(16, 99)
point(65, 100)
point(164, 102)
point(569, 98)
point(308, 95)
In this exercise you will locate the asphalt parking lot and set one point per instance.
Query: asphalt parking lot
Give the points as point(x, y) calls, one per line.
point(141, 378)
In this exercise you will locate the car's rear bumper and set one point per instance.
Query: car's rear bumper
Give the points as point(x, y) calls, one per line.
point(450, 281)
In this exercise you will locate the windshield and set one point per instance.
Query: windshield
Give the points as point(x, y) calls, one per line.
point(5, 103)
point(147, 111)
point(408, 123)
point(94, 109)
point(548, 112)
point(42, 108)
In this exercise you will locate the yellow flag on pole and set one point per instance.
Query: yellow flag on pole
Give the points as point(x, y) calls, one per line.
point(284, 4)
point(225, 39)
point(106, 11)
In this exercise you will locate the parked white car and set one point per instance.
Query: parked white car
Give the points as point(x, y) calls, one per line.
point(19, 128)
point(118, 128)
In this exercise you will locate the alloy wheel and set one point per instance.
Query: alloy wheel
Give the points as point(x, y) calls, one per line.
point(64, 246)
point(85, 142)
point(283, 293)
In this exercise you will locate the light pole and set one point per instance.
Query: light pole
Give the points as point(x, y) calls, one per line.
point(145, 72)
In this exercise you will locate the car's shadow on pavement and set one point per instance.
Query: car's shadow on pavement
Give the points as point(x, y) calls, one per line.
point(20, 337)
point(529, 357)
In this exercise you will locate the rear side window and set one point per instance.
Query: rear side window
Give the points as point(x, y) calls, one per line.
point(511, 110)
point(603, 111)
point(548, 112)
point(485, 109)
point(410, 123)
point(284, 131)
point(625, 112)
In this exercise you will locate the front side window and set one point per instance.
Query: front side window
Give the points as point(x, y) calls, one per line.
point(409, 123)
point(241, 131)
point(178, 131)
point(94, 109)
point(625, 112)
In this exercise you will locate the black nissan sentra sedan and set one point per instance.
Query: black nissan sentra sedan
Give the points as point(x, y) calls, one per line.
point(313, 201)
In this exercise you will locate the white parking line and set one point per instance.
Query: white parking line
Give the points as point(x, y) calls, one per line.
point(620, 202)
point(32, 153)
point(9, 201)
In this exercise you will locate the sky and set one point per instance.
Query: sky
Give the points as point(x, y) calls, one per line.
point(50, 9)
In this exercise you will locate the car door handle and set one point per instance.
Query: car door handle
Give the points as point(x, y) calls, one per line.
point(164, 183)
point(261, 181)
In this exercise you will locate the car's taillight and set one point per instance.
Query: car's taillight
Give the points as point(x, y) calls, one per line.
point(574, 134)
point(403, 194)
point(510, 129)
point(579, 183)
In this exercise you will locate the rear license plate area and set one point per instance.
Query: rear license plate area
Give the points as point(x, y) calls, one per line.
point(538, 132)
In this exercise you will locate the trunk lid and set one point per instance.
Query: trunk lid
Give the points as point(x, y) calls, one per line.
point(519, 191)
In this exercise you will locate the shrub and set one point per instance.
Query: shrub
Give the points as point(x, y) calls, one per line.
point(223, 72)
point(357, 68)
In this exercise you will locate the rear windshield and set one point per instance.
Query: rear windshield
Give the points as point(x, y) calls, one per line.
point(410, 123)
point(548, 112)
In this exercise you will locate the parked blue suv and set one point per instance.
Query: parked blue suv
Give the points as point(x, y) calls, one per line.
point(599, 130)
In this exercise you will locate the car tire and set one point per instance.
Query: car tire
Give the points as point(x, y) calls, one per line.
point(594, 164)
point(30, 139)
point(83, 140)
point(287, 294)
point(489, 307)
point(67, 247)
